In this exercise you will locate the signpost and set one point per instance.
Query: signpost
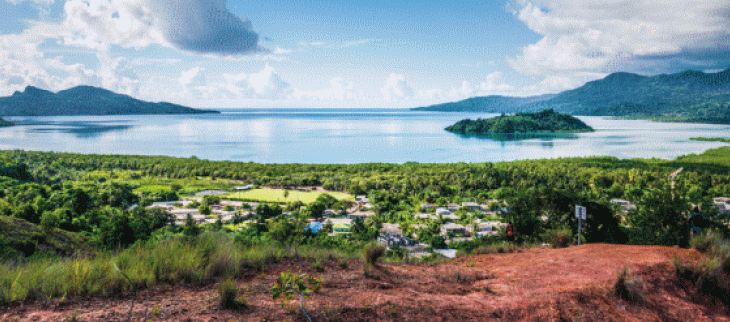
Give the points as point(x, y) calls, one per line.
point(580, 213)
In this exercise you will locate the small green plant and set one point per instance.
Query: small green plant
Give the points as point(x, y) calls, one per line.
point(288, 285)
point(318, 266)
point(628, 287)
point(228, 295)
point(156, 310)
point(74, 317)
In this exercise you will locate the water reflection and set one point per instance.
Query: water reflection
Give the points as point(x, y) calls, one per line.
point(502, 137)
point(344, 137)
point(80, 129)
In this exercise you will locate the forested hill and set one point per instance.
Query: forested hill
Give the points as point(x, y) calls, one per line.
point(489, 104)
point(687, 96)
point(547, 121)
point(83, 100)
point(5, 123)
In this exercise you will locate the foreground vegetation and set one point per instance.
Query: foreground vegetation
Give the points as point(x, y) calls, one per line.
point(68, 219)
point(190, 260)
point(547, 121)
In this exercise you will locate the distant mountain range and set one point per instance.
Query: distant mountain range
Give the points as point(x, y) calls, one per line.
point(688, 96)
point(83, 100)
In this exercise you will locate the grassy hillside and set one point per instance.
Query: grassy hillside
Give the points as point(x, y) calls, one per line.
point(19, 236)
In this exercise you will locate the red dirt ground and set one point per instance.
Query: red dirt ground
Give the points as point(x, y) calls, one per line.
point(570, 284)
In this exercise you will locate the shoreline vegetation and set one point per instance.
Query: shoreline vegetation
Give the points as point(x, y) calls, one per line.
point(85, 225)
point(4, 123)
point(715, 139)
point(544, 122)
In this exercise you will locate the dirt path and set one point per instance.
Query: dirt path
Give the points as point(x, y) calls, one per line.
point(539, 284)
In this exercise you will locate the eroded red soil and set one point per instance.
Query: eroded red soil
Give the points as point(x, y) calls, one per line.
point(571, 284)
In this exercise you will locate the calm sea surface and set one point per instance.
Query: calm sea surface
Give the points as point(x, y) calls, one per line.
point(341, 136)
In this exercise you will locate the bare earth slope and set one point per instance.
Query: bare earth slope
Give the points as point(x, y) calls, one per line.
point(572, 284)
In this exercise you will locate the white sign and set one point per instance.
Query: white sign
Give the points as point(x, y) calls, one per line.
point(580, 212)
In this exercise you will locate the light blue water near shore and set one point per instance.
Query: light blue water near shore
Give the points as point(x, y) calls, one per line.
point(341, 136)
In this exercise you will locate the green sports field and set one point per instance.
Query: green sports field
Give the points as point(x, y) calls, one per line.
point(277, 195)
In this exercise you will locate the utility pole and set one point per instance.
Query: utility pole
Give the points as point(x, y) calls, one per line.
point(672, 176)
point(580, 213)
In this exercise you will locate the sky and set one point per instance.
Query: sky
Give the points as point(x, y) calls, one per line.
point(350, 53)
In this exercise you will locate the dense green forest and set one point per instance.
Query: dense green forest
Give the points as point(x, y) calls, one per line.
point(5, 123)
point(691, 96)
point(56, 205)
point(547, 121)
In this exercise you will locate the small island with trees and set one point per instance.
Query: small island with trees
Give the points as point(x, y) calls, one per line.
point(547, 121)
point(4, 123)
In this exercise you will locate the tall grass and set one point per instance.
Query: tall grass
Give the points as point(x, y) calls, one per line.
point(710, 274)
point(208, 257)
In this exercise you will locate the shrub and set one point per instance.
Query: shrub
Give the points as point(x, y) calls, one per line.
point(628, 287)
point(713, 245)
point(707, 242)
point(373, 253)
point(557, 238)
point(228, 295)
point(497, 248)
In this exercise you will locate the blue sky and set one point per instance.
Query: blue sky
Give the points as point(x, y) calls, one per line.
point(350, 53)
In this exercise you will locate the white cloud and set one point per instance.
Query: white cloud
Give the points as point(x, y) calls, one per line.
point(396, 88)
point(494, 86)
point(603, 36)
point(266, 84)
point(430, 94)
point(192, 78)
point(99, 23)
point(281, 51)
point(338, 90)
point(118, 75)
point(22, 63)
point(192, 25)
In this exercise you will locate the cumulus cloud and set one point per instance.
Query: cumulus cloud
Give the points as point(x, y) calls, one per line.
point(22, 63)
point(338, 90)
point(203, 26)
point(493, 85)
point(266, 84)
point(396, 88)
point(192, 78)
point(118, 75)
point(431, 94)
point(192, 25)
point(604, 36)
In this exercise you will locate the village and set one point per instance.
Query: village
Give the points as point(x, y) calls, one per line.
point(455, 222)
